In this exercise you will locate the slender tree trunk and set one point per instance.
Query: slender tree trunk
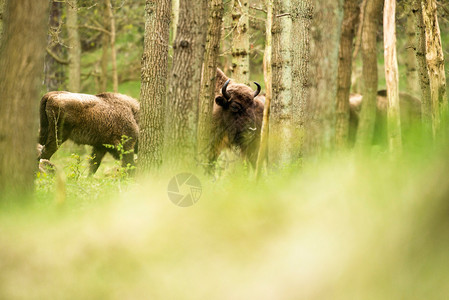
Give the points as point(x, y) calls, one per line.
point(208, 76)
point(105, 41)
point(281, 115)
point(412, 84)
point(240, 41)
point(365, 131)
point(262, 153)
point(320, 112)
point(175, 17)
point(392, 77)
point(435, 63)
point(424, 81)
point(350, 20)
point(302, 16)
point(54, 73)
point(74, 47)
point(2, 10)
point(184, 85)
point(22, 55)
point(112, 35)
point(154, 81)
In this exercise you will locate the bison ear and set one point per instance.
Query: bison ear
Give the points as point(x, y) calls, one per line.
point(221, 101)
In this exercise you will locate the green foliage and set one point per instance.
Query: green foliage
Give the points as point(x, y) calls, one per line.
point(122, 171)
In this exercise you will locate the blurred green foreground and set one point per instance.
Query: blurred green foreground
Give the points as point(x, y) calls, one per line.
point(340, 229)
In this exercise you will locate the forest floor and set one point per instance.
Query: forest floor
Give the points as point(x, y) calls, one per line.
point(343, 228)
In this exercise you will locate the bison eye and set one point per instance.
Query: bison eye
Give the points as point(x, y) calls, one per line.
point(235, 107)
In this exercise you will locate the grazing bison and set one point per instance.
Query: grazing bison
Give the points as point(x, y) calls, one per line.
point(89, 120)
point(237, 118)
point(410, 110)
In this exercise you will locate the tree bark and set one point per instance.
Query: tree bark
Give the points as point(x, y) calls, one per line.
point(208, 76)
point(184, 85)
point(350, 20)
point(54, 73)
point(435, 63)
point(22, 55)
point(112, 35)
point(154, 81)
point(302, 13)
point(262, 153)
point(424, 81)
point(365, 131)
point(2, 10)
point(411, 82)
point(392, 77)
point(320, 109)
point(281, 114)
point(240, 41)
point(175, 17)
point(74, 47)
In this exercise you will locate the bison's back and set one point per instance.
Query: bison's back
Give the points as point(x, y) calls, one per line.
point(95, 120)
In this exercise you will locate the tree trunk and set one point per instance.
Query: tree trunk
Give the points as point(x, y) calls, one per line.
point(392, 77)
point(184, 85)
point(302, 15)
point(54, 72)
point(350, 20)
point(320, 110)
point(262, 153)
point(240, 41)
point(112, 35)
point(2, 10)
point(435, 63)
point(209, 71)
point(154, 81)
point(175, 17)
point(74, 47)
point(411, 82)
point(424, 81)
point(365, 131)
point(281, 114)
point(22, 55)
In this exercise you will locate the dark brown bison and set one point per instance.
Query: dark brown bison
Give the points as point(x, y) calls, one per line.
point(410, 110)
point(90, 120)
point(237, 118)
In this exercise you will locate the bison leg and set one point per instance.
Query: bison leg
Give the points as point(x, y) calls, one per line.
point(97, 155)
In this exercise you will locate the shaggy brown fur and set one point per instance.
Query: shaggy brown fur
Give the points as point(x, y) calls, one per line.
point(410, 110)
point(90, 120)
point(237, 121)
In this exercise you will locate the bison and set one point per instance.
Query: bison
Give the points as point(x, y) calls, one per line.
point(90, 120)
point(237, 118)
point(410, 110)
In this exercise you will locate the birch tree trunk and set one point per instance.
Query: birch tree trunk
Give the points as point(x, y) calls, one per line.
point(175, 17)
point(240, 41)
point(424, 81)
point(392, 77)
point(320, 110)
point(435, 63)
point(350, 20)
point(281, 115)
point(302, 13)
point(184, 85)
point(112, 35)
point(153, 84)
point(208, 76)
point(365, 131)
point(74, 47)
point(22, 55)
point(262, 153)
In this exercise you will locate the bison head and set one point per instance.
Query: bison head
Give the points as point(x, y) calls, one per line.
point(238, 111)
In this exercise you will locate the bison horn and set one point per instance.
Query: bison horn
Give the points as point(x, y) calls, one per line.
point(258, 89)
point(223, 90)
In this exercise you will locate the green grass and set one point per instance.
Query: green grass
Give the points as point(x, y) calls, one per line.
point(342, 228)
